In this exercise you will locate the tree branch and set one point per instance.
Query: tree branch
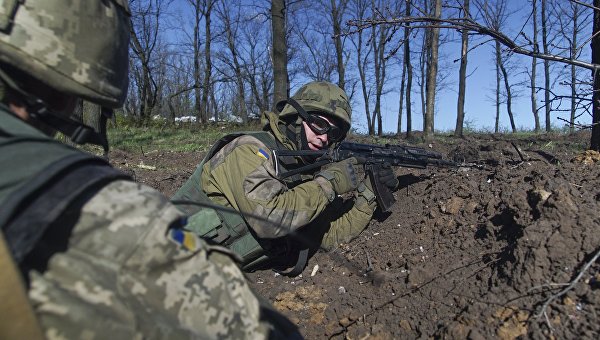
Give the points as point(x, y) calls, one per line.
point(471, 25)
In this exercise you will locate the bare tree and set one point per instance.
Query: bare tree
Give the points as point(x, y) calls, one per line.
point(409, 72)
point(380, 36)
point(424, 55)
point(496, 16)
point(545, 47)
point(507, 87)
point(200, 111)
point(179, 84)
point(572, 22)
point(406, 80)
point(315, 55)
point(206, 83)
point(144, 29)
point(534, 109)
point(338, 8)
point(432, 68)
point(462, 76)
point(279, 53)
point(202, 10)
point(498, 62)
point(322, 40)
point(229, 14)
point(573, 52)
point(257, 66)
point(360, 8)
point(595, 142)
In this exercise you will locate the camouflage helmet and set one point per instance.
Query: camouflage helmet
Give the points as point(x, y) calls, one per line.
point(78, 47)
point(325, 97)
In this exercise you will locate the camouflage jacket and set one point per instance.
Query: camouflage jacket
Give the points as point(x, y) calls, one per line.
point(241, 175)
point(116, 265)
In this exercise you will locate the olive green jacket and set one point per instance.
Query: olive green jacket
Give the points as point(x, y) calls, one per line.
point(241, 175)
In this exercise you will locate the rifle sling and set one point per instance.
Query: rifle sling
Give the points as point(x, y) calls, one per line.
point(299, 266)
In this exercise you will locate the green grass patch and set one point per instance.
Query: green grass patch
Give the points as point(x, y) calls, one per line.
point(184, 137)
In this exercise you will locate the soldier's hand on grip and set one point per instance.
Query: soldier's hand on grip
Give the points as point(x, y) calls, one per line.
point(387, 176)
point(342, 175)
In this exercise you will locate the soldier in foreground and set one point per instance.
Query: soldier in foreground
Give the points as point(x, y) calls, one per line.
point(85, 252)
point(299, 213)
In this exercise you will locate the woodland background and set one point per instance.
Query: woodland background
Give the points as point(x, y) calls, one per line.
point(215, 60)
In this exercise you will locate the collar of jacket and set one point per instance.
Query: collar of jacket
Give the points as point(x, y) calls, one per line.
point(272, 123)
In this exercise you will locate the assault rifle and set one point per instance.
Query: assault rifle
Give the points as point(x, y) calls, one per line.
point(374, 155)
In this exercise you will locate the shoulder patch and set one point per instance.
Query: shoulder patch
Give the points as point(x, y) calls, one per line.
point(262, 153)
point(186, 239)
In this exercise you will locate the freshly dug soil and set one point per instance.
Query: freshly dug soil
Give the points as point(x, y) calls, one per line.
point(504, 247)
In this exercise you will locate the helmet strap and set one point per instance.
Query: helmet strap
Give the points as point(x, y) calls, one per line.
point(295, 130)
point(78, 132)
point(298, 108)
point(303, 139)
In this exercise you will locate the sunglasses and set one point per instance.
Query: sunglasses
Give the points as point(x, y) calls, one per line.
point(321, 126)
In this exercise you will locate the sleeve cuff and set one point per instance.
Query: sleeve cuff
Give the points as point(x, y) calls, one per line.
point(326, 187)
point(366, 192)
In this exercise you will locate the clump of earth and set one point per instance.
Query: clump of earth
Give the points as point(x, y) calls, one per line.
point(503, 247)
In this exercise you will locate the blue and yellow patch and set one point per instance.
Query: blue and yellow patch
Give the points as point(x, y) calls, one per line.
point(262, 153)
point(184, 238)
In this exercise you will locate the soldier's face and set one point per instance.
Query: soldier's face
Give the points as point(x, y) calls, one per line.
point(317, 141)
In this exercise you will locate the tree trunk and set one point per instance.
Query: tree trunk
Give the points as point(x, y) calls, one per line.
point(336, 18)
point(462, 78)
point(206, 86)
point(498, 62)
point(379, 40)
point(200, 117)
point(595, 140)
point(145, 88)
point(280, 74)
point(363, 83)
point(409, 72)
point(401, 98)
point(361, 66)
point(573, 50)
point(144, 38)
point(432, 67)
point(508, 97)
point(425, 54)
point(534, 109)
point(546, 66)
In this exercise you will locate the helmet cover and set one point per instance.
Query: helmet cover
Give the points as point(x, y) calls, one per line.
point(78, 47)
point(324, 97)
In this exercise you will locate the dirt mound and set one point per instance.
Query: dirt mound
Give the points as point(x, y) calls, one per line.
point(503, 247)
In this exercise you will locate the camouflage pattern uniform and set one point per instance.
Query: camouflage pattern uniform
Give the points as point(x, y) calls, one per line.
point(123, 277)
point(115, 263)
point(242, 176)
